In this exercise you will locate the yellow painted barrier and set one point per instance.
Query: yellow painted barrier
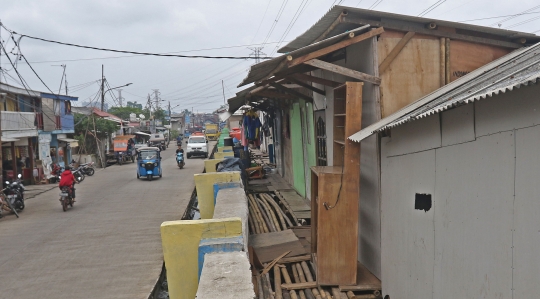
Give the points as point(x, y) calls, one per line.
point(225, 148)
point(219, 155)
point(204, 183)
point(180, 240)
point(210, 164)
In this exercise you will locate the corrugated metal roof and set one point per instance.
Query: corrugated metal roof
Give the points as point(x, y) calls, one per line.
point(519, 68)
point(325, 22)
point(266, 68)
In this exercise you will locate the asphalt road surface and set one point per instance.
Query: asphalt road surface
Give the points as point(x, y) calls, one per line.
point(107, 246)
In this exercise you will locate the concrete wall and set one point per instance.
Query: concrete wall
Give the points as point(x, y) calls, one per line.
point(479, 238)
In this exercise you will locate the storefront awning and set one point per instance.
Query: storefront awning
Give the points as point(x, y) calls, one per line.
point(8, 139)
point(72, 142)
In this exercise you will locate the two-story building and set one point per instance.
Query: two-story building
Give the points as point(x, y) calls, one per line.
point(34, 126)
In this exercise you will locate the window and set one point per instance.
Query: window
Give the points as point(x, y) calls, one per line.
point(321, 141)
point(67, 106)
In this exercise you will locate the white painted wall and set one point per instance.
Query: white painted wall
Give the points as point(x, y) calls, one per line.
point(482, 235)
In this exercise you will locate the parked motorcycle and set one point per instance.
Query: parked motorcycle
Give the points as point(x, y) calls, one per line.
point(78, 173)
point(14, 195)
point(55, 173)
point(180, 160)
point(88, 168)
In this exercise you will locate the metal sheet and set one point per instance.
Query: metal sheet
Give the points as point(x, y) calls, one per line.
point(407, 238)
point(518, 109)
point(519, 68)
point(415, 137)
point(473, 218)
point(526, 266)
point(458, 125)
point(326, 21)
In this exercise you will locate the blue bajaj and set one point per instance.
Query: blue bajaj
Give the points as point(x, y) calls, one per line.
point(149, 163)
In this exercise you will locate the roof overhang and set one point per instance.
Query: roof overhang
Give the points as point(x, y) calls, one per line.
point(72, 142)
point(58, 97)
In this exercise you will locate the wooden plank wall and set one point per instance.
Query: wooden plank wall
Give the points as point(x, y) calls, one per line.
point(421, 66)
point(414, 72)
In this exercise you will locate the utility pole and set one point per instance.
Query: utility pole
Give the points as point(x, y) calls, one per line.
point(169, 112)
point(120, 97)
point(223, 88)
point(102, 88)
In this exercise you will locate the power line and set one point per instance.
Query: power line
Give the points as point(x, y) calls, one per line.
point(280, 12)
point(134, 52)
point(295, 17)
point(499, 23)
point(523, 22)
point(260, 23)
point(497, 17)
point(431, 8)
point(375, 4)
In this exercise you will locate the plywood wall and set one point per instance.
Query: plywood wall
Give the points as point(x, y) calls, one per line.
point(466, 57)
point(414, 73)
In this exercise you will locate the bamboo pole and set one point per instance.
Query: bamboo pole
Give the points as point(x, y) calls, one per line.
point(268, 286)
point(264, 215)
point(277, 282)
point(275, 211)
point(336, 293)
point(270, 213)
point(295, 274)
point(252, 228)
point(258, 224)
point(288, 280)
point(323, 293)
point(259, 287)
point(286, 204)
point(309, 278)
point(285, 295)
point(300, 272)
point(309, 294)
point(279, 212)
point(350, 295)
point(258, 214)
point(302, 294)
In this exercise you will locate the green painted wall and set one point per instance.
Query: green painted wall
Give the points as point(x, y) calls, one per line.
point(297, 152)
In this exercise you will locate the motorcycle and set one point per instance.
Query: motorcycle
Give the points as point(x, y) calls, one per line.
point(66, 196)
point(88, 168)
point(78, 173)
point(55, 173)
point(14, 195)
point(180, 160)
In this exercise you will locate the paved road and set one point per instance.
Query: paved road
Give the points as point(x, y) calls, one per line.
point(107, 246)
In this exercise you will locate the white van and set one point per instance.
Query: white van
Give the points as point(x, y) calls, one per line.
point(197, 146)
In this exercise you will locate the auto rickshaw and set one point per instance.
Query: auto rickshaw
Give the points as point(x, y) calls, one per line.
point(149, 163)
point(124, 149)
point(157, 140)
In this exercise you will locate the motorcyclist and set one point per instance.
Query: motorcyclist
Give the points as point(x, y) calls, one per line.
point(67, 179)
point(179, 140)
point(180, 150)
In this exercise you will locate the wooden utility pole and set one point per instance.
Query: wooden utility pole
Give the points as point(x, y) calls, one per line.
point(102, 88)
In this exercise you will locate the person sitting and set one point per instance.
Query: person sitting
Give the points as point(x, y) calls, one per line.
point(180, 149)
point(67, 179)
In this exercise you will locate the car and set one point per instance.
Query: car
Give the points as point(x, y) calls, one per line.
point(197, 145)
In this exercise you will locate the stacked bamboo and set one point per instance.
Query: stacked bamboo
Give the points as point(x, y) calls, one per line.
point(294, 278)
point(266, 215)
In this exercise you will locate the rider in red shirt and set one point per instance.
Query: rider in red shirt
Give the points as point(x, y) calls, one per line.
point(67, 179)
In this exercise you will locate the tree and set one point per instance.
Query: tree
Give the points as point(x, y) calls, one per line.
point(85, 134)
point(124, 112)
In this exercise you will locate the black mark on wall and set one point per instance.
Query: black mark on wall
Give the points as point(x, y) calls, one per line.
point(422, 202)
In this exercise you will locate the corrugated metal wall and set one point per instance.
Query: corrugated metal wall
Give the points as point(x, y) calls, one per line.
point(481, 236)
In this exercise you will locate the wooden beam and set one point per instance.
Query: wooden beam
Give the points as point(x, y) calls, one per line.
point(304, 84)
point(317, 80)
point(256, 90)
point(432, 32)
point(292, 92)
point(395, 51)
point(335, 47)
point(273, 94)
point(299, 286)
point(344, 71)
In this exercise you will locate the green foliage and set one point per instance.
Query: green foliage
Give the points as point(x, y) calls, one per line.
point(124, 112)
point(174, 134)
point(103, 129)
point(159, 114)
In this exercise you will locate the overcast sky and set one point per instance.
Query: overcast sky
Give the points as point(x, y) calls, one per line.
point(189, 28)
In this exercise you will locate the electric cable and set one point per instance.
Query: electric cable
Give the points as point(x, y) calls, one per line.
point(514, 16)
point(135, 52)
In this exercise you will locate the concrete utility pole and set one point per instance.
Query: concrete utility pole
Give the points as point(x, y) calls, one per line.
point(120, 97)
point(169, 112)
point(223, 88)
point(102, 88)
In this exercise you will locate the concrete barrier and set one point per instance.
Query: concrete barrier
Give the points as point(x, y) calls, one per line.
point(204, 183)
point(225, 149)
point(180, 240)
point(210, 164)
point(232, 202)
point(214, 245)
point(226, 276)
point(223, 155)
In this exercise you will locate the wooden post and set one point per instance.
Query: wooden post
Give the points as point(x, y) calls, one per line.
point(442, 61)
point(14, 160)
point(447, 60)
point(277, 282)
